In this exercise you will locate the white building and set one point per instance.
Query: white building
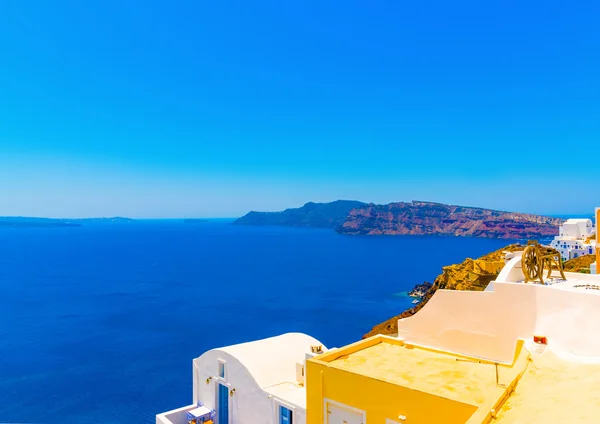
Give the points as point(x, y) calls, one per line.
point(259, 382)
point(566, 311)
point(575, 239)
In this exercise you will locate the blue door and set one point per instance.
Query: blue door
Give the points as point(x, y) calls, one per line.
point(223, 412)
point(285, 415)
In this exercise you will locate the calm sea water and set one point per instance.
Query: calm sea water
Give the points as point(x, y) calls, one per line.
point(99, 324)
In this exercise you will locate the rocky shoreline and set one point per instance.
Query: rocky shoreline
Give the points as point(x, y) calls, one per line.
point(463, 276)
point(420, 290)
point(468, 275)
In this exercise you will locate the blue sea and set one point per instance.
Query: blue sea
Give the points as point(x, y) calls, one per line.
point(99, 323)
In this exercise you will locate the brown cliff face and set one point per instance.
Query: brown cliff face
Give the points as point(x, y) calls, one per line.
point(580, 264)
point(467, 275)
point(470, 275)
point(423, 218)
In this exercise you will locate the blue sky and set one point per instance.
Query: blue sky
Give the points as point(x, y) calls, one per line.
point(188, 108)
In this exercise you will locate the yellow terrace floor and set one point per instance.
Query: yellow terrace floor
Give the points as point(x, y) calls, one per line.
point(554, 391)
point(472, 381)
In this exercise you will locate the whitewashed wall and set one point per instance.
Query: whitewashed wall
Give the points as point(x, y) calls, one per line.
point(488, 324)
point(250, 404)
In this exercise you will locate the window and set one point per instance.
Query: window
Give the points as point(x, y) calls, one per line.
point(285, 415)
point(221, 369)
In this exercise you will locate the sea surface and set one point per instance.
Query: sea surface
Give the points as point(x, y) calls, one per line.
point(100, 323)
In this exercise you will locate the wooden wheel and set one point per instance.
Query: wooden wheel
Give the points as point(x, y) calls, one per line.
point(531, 264)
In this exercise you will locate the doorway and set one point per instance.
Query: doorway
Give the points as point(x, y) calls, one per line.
point(223, 405)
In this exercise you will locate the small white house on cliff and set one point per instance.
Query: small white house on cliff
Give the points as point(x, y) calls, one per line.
point(575, 239)
point(259, 382)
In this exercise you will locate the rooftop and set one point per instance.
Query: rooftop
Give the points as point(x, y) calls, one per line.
point(578, 220)
point(289, 392)
point(553, 390)
point(272, 361)
point(464, 379)
point(574, 281)
point(591, 285)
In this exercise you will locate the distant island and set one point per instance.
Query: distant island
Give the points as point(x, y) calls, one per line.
point(29, 222)
point(410, 218)
point(17, 222)
point(423, 218)
point(318, 215)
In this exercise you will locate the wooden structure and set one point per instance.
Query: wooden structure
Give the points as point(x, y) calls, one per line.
point(536, 258)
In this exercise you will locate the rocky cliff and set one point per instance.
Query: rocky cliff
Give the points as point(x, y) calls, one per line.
point(422, 218)
point(580, 264)
point(471, 275)
point(420, 290)
point(320, 215)
point(468, 275)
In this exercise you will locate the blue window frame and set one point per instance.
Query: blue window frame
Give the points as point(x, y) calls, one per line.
point(223, 412)
point(285, 415)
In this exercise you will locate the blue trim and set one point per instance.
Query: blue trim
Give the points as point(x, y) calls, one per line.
point(285, 415)
point(223, 408)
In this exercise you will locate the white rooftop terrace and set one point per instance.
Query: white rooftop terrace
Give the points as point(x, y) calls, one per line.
point(487, 324)
point(574, 281)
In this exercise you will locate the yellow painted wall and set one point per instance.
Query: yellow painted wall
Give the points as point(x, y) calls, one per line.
point(379, 399)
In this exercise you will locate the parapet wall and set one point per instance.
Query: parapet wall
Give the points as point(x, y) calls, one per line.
point(488, 324)
point(481, 324)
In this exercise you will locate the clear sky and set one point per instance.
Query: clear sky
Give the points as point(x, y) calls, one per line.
point(214, 108)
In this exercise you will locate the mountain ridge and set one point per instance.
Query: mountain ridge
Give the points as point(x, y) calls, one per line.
point(425, 218)
point(409, 218)
point(311, 214)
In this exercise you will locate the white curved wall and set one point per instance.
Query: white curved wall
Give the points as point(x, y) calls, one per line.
point(570, 319)
point(271, 360)
point(488, 324)
point(512, 271)
point(256, 370)
point(482, 324)
point(249, 404)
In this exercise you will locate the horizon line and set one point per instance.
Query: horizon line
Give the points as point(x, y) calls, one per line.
point(174, 218)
